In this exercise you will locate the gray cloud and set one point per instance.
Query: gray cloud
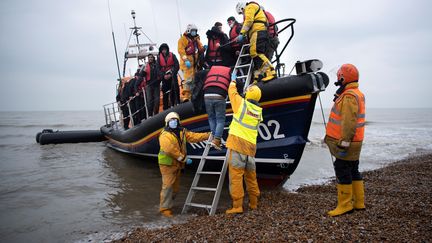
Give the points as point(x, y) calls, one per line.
point(58, 55)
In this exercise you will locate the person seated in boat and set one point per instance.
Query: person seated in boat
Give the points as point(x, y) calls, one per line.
point(235, 28)
point(216, 38)
point(190, 49)
point(241, 144)
point(152, 85)
point(255, 28)
point(168, 66)
point(139, 96)
point(172, 158)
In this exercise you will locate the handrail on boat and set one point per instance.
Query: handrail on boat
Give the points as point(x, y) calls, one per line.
point(290, 25)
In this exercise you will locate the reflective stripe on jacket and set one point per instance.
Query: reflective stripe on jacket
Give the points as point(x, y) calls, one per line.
point(245, 122)
point(335, 124)
point(218, 76)
point(164, 157)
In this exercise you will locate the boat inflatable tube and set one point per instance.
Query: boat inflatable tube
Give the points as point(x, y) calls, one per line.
point(48, 136)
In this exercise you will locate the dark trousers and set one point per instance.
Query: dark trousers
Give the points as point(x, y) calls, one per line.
point(153, 97)
point(139, 103)
point(126, 119)
point(347, 171)
point(171, 92)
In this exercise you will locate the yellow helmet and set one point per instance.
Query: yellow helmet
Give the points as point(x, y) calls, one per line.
point(170, 116)
point(253, 92)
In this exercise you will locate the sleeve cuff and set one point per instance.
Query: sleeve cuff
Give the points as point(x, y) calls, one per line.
point(180, 158)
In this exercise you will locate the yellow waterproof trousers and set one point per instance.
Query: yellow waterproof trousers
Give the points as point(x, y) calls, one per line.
point(170, 184)
point(242, 167)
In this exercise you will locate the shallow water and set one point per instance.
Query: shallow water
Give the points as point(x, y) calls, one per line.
point(81, 192)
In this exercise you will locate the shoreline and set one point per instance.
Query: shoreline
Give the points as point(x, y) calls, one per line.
point(398, 201)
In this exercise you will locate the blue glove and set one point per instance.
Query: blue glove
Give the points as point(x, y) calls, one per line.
point(233, 76)
point(240, 38)
point(188, 64)
point(205, 47)
point(188, 161)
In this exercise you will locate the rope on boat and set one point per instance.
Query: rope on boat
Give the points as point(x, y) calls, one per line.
point(325, 124)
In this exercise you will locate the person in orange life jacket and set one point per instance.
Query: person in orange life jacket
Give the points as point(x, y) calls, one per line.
point(241, 144)
point(273, 35)
point(215, 89)
point(152, 85)
point(255, 27)
point(235, 28)
point(172, 158)
point(190, 49)
point(344, 137)
point(168, 66)
point(216, 38)
point(139, 97)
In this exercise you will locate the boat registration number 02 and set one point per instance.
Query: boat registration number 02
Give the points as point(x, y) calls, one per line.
point(265, 133)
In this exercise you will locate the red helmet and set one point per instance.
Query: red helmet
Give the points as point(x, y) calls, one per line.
point(347, 73)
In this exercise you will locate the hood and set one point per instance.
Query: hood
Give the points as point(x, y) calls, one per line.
point(214, 32)
point(164, 45)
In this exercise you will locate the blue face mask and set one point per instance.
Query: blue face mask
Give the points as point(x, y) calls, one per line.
point(173, 123)
point(193, 33)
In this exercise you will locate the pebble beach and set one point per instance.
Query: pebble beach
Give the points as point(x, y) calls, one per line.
point(398, 209)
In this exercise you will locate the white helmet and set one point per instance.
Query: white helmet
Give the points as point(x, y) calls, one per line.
point(191, 27)
point(240, 7)
point(172, 115)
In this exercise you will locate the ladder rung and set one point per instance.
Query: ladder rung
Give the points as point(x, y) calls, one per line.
point(209, 173)
point(214, 157)
point(245, 55)
point(242, 66)
point(244, 76)
point(198, 205)
point(210, 189)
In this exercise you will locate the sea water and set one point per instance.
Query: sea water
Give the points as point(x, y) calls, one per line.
point(88, 192)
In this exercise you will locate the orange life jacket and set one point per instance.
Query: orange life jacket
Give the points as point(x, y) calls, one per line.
point(218, 76)
point(233, 35)
point(191, 47)
point(166, 64)
point(272, 30)
point(213, 50)
point(334, 128)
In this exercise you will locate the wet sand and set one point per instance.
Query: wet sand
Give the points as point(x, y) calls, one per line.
point(398, 208)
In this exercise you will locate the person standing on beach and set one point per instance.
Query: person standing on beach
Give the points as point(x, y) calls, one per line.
point(172, 158)
point(344, 137)
point(241, 144)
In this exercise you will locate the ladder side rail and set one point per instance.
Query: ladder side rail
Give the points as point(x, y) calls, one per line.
point(219, 185)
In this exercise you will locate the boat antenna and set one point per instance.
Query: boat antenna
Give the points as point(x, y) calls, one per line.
point(136, 32)
point(178, 17)
point(114, 42)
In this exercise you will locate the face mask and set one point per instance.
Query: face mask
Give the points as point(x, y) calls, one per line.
point(231, 24)
point(173, 123)
point(193, 33)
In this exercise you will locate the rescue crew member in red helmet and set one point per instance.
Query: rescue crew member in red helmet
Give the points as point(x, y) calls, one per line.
point(344, 137)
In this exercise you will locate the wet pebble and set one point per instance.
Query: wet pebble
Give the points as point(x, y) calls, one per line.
point(398, 201)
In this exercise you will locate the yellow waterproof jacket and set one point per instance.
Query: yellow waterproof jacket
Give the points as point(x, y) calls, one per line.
point(175, 147)
point(348, 108)
point(254, 19)
point(188, 45)
point(234, 142)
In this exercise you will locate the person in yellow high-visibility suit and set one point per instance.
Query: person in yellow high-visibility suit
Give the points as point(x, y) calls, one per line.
point(172, 158)
point(190, 48)
point(255, 27)
point(241, 144)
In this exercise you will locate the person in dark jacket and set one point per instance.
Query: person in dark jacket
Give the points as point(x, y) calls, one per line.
point(216, 38)
point(152, 85)
point(235, 28)
point(168, 66)
point(139, 96)
point(124, 93)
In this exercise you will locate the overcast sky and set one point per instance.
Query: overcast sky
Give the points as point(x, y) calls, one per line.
point(58, 54)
